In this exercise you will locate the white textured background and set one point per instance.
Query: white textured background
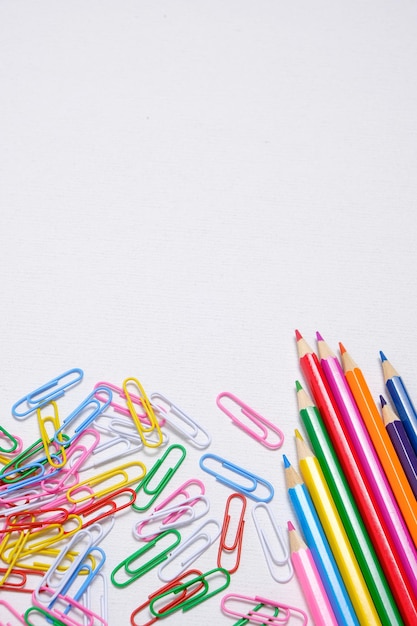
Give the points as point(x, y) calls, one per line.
point(185, 183)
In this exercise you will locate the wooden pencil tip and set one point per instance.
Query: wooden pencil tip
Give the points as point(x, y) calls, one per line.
point(290, 525)
point(342, 348)
point(382, 355)
point(286, 461)
point(298, 335)
point(319, 337)
point(298, 434)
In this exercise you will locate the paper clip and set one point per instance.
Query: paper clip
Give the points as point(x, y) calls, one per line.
point(102, 597)
point(175, 417)
point(134, 574)
point(245, 620)
point(254, 481)
point(15, 615)
point(47, 618)
point(185, 594)
point(154, 492)
point(271, 559)
point(143, 429)
point(51, 391)
point(12, 441)
point(109, 504)
point(46, 439)
point(198, 536)
point(197, 598)
point(80, 614)
point(171, 517)
point(90, 402)
point(285, 612)
point(122, 408)
point(104, 478)
point(265, 426)
point(238, 536)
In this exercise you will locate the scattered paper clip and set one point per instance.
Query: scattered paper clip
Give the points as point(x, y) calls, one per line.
point(171, 517)
point(143, 429)
point(196, 598)
point(52, 390)
point(284, 616)
point(273, 561)
point(245, 620)
point(90, 402)
point(236, 545)
point(176, 419)
point(265, 427)
point(181, 596)
point(202, 536)
point(11, 440)
point(133, 574)
point(17, 617)
point(154, 492)
point(253, 480)
point(47, 439)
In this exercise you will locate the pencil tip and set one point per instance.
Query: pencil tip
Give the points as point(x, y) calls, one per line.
point(286, 461)
point(290, 526)
point(382, 400)
point(298, 435)
point(342, 348)
point(298, 335)
point(382, 355)
point(298, 385)
point(319, 337)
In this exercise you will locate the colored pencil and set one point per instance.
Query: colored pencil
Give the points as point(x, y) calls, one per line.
point(358, 536)
point(382, 444)
point(385, 549)
point(336, 535)
point(401, 399)
point(369, 463)
point(401, 443)
point(319, 546)
point(310, 581)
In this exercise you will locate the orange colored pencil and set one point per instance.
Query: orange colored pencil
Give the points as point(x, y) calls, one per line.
point(382, 443)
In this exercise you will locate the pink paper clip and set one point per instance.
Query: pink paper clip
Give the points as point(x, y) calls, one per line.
point(69, 611)
point(17, 617)
point(265, 426)
point(286, 614)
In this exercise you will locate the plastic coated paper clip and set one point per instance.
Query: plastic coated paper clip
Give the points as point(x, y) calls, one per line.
point(265, 427)
point(273, 561)
point(177, 419)
point(145, 430)
point(51, 390)
point(236, 545)
point(253, 481)
point(284, 616)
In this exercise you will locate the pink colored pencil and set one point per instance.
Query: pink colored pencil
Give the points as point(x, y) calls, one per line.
point(369, 462)
point(310, 581)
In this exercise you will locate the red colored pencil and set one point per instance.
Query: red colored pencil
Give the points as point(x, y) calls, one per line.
point(390, 561)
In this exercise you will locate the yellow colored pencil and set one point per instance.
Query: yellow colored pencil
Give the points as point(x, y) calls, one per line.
point(336, 535)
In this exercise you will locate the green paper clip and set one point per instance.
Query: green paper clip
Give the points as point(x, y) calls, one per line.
point(155, 491)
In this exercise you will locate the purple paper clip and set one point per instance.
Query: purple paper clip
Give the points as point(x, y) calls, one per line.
point(265, 427)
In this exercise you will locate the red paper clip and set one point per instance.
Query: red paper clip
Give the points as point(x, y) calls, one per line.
point(237, 543)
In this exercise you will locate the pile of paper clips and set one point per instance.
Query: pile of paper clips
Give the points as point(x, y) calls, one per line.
point(52, 519)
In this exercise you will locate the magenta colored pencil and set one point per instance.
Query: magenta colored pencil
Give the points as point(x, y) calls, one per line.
point(372, 470)
point(310, 581)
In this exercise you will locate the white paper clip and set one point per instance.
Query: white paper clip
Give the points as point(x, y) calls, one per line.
point(273, 561)
point(176, 418)
point(198, 536)
point(172, 517)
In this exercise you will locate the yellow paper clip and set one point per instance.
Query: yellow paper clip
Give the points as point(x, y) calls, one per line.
point(47, 439)
point(143, 429)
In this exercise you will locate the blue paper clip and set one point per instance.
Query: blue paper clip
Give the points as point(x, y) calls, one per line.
point(254, 481)
point(52, 390)
point(97, 407)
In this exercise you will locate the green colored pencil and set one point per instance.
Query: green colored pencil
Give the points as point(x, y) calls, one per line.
point(348, 511)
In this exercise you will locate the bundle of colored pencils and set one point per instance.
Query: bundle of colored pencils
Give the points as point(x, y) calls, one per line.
point(355, 493)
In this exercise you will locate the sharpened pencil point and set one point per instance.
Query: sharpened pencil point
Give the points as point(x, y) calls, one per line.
point(298, 335)
point(298, 385)
point(382, 355)
point(286, 461)
point(290, 526)
point(342, 348)
point(319, 337)
point(382, 400)
point(298, 434)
